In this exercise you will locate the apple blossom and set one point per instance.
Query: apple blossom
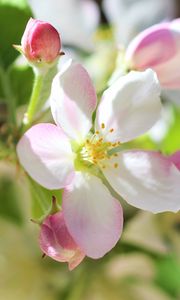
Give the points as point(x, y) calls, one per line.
point(40, 42)
point(56, 242)
point(80, 157)
point(158, 47)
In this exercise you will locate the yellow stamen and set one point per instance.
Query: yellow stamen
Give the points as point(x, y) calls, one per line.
point(102, 125)
point(97, 151)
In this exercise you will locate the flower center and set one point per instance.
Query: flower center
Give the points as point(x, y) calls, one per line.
point(94, 149)
point(97, 151)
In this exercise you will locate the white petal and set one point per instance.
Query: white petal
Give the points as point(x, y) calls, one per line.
point(93, 217)
point(73, 100)
point(45, 153)
point(146, 180)
point(130, 106)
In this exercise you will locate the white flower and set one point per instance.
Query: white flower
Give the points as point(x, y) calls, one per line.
point(69, 155)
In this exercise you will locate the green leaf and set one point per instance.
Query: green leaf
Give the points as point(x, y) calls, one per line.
point(1, 93)
point(168, 275)
point(142, 142)
point(21, 78)
point(171, 142)
point(9, 205)
point(42, 199)
point(14, 15)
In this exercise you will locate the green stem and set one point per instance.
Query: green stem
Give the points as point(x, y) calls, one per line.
point(29, 115)
point(6, 86)
point(77, 285)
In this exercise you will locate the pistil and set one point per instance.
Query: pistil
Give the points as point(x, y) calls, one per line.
point(95, 150)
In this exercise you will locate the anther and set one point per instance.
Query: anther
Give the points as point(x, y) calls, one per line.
point(115, 165)
point(111, 130)
point(97, 132)
point(102, 125)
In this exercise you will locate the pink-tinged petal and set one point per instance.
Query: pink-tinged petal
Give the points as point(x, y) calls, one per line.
point(45, 153)
point(175, 159)
point(158, 47)
point(147, 49)
point(168, 73)
point(93, 217)
point(73, 100)
point(130, 106)
point(56, 242)
point(147, 180)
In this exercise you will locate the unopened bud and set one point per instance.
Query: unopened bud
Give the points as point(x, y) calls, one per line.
point(56, 241)
point(40, 42)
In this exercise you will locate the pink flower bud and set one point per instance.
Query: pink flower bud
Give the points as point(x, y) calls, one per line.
point(40, 42)
point(56, 242)
point(175, 158)
point(158, 47)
